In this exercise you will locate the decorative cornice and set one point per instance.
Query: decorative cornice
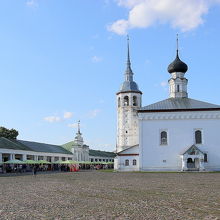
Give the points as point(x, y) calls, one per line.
point(127, 154)
point(178, 110)
point(180, 116)
point(129, 92)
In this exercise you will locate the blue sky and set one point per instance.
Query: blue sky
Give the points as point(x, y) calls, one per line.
point(61, 61)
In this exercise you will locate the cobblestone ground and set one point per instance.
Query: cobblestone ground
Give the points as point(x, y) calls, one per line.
point(109, 195)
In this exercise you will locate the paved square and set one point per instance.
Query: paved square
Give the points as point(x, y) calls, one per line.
point(108, 195)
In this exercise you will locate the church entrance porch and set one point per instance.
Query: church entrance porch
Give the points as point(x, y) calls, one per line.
point(193, 164)
point(193, 159)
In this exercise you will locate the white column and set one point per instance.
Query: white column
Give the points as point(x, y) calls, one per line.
point(60, 158)
point(184, 164)
point(201, 165)
point(24, 157)
point(44, 157)
point(36, 157)
point(52, 159)
point(66, 158)
point(11, 157)
point(0, 157)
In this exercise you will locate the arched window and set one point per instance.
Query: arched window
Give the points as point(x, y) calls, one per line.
point(134, 162)
point(119, 102)
point(126, 162)
point(126, 101)
point(198, 137)
point(163, 138)
point(134, 100)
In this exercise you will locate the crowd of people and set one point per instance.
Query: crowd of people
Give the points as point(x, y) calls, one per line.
point(22, 168)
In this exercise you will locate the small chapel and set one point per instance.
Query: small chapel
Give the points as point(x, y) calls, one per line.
point(175, 134)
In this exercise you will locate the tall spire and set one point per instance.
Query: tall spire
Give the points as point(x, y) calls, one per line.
point(79, 127)
point(177, 45)
point(128, 72)
point(128, 57)
point(78, 141)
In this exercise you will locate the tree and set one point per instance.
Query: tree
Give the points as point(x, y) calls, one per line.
point(10, 134)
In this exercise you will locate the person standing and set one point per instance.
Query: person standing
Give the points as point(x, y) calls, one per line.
point(34, 170)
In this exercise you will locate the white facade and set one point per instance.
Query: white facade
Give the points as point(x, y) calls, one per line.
point(128, 160)
point(24, 155)
point(127, 119)
point(79, 150)
point(178, 85)
point(175, 134)
point(100, 159)
point(129, 101)
point(180, 128)
point(76, 151)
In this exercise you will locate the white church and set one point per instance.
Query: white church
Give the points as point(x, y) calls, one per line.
point(175, 134)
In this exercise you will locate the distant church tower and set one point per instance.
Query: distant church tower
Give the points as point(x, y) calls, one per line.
point(79, 149)
point(128, 102)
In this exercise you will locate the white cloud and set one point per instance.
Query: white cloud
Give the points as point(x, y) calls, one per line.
point(94, 113)
point(32, 3)
point(120, 27)
point(52, 119)
point(67, 115)
point(185, 15)
point(96, 59)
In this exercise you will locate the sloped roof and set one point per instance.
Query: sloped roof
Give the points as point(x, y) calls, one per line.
point(99, 153)
point(190, 149)
point(95, 153)
point(128, 148)
point(68, 146)
point(129, 86)
point(179, 104)
point(13, 144)
point(41, 147)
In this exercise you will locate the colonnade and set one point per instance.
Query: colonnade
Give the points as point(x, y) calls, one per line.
point(23, 157)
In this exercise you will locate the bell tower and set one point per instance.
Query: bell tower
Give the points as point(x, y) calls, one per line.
point(128, 102)
point(178, 82)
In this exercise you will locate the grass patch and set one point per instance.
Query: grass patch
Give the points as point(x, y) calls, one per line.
point(107, 171)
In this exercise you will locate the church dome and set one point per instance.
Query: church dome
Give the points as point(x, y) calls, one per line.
point(177, 66)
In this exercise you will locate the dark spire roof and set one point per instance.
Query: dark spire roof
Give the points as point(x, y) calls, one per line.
point(79, 127)
point(129, 84)
point(177, 65)
point(129, 74)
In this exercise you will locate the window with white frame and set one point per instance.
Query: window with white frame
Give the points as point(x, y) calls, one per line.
point(127, 162)
point(198, 137)
point(134, 162)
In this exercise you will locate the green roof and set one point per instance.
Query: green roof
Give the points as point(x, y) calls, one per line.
point(41, 147)
point(99, 153)
point(68, 146)
point(13, 144)
point(95, 153)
